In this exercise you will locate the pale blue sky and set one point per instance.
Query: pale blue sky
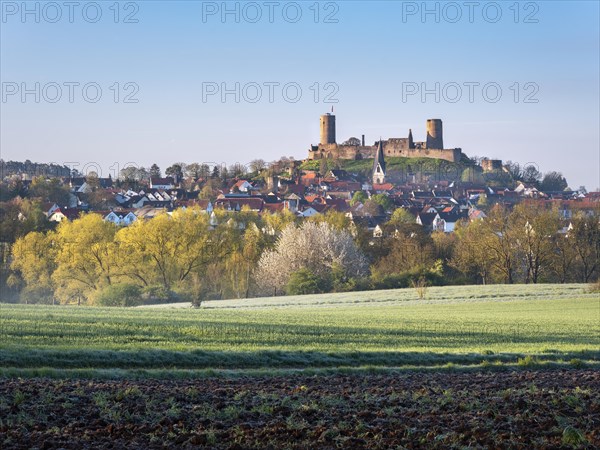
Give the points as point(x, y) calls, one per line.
point(369, 53)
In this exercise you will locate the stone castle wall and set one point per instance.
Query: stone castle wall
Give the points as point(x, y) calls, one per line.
point(391, 148)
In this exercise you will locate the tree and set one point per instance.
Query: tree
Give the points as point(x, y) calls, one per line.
point(34, 263)
point(122, 294)
point(514, 170)
point(563, 263)
point(353, 141)
point(381, 199)
point(175, 171)
point(473, 174)
point(258, 165)
point(470, 254)
point(133, 175)
point(411, 248)
point(180, 245)
point(318, 248)
point(532, 175)
point(224, 175)
point(535, 228)
point(499, 243)
point(238, 170)
point(19, 217)
point(323, 166)
point(275, 223)
point(553, 182)
point(335, 219)
point(154, 171)
point(585, 238)
point(401, 215)
point(207, 192)
point(204, 171)
point(303, 282)
point(49, 190)
point(358, 197)
point(86, 257)
point(373, 209)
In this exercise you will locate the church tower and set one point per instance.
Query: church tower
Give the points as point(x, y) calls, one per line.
point(379, 165)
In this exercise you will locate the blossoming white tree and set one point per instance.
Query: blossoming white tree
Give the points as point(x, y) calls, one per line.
point(313, 246)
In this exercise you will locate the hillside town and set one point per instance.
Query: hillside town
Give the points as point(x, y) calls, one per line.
point(349, 217)
point(436, 205)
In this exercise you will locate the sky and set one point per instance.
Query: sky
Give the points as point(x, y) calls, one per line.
point(102, 85)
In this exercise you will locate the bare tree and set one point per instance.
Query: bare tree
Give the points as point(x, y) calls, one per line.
point(258, 165)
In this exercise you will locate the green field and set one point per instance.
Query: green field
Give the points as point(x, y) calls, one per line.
point(394, 164)
point(453, 327)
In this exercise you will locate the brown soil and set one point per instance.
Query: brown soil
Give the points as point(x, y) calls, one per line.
point(517, 410)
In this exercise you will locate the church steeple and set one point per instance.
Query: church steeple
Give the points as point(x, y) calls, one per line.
point(379, 165)
point(411, 142)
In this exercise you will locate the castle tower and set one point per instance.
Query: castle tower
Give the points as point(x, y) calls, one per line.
point(327, 129)
point(411, 142)
point(434, 134)
point(379, 165)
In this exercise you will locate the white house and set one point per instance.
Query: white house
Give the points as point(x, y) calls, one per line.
point(308, 212)
point(162, 183)
point(120, 219)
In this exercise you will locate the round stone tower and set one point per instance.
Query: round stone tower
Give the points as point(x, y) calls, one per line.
point(434, 134)
point(327, 129)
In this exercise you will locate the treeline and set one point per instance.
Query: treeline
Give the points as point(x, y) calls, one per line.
point(191, 256)
point(33, 169)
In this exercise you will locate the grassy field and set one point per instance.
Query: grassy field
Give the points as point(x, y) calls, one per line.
point(396, 164)
point(473, 326)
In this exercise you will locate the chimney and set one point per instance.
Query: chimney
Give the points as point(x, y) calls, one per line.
point(363, 140)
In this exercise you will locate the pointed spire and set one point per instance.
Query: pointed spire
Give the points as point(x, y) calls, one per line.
point(379, 164)
point(411, 142)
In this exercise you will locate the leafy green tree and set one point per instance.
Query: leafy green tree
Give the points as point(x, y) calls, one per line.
point(532, 175)
point(175, 171)
point(335, 219)
point(323, 167)
point(193, 170)
point(401, 215)
point(381, 199)
point(49, 190)
point(358, 197)
point(154, 171)
point(553, 181)
point(122, 294)
point(303, 282)
point(473, 174)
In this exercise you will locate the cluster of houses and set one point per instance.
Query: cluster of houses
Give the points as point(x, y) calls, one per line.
point(436, 208)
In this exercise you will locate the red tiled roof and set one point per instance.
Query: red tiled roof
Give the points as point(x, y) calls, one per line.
point(273, 207)
point(383, 187)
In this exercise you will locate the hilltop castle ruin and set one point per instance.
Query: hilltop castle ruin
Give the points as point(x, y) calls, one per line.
point(433, 147)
